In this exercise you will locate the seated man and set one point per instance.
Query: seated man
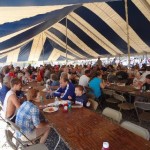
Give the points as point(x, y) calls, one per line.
point(28, 118)
point(11, 102)
point(84, 79)
point(66, 89)
point(145, 87)
point(5, 88)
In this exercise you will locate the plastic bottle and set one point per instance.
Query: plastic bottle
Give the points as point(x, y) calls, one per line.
point(65, 107)
point(69, 106)
point(56, 101)
point(105, 146)
point(143, 89)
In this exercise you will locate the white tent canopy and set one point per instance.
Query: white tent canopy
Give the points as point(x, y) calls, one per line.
point(36, 31)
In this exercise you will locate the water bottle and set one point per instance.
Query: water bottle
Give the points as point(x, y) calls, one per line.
point(56, 101)
point(105, 146)
point(69, 106)
point(143, 88)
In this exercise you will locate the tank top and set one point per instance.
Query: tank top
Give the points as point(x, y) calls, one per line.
point(9, 93)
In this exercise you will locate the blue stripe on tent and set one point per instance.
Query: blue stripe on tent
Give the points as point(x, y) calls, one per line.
point(25, 52)
point(54, 17)
point(45, 2)
point(47, 50)
point(84, 37)
point(9, 28)
point(103, 28)
point(62, 37)
point(3, 60)
point(137, 20)
point(54, 44)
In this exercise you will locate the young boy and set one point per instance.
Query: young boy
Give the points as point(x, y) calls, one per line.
point(81, 96)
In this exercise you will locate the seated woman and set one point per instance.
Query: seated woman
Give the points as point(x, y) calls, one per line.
point(96, 84)
point(28, 119)
point(50, 85)
point(136, 81)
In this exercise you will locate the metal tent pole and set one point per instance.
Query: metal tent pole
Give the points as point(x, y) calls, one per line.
point(127, 26)
point(43, 48)
point(66, 40)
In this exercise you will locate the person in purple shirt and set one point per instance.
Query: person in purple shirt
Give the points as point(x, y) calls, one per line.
point(5, 88)
point(65, 90)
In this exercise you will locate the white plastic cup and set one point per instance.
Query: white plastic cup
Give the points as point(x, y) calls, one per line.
point(105, 146)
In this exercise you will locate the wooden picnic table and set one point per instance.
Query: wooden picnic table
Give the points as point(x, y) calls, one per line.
point(121, 89)
point(84, 129)
point(145, 94)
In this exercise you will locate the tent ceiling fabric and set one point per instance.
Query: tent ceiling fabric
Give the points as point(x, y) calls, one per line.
point(93, 29)
point(47, 2)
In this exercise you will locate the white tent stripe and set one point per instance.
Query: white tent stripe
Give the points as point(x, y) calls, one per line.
point(37, 47)
point(114, 21)
point(75, 39)
point(144, 7)
point(54, 55)
point(61, 43)
point(13, 56)
point(148, 1)
point(17, 13)
point(16, 33)
point(94, 34)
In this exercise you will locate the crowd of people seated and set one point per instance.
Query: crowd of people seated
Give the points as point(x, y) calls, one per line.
point(72, 82)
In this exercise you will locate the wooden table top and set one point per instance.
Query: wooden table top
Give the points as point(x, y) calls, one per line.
point(122, 89)
point(83, 129)
point(141, 94)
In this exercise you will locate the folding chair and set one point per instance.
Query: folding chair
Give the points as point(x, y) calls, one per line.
point(143, 111)
point(112, 114)
point(11, 138)
point(124, 104)
point(94, 104)
point(109, 93)
point(142, 132)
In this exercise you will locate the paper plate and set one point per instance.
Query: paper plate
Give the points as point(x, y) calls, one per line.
point(50, 109)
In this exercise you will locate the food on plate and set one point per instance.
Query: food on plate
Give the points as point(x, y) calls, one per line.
point(51, 109)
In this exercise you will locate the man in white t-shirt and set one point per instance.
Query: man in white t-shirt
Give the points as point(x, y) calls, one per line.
point(84, 79)
point(11, 102)
point(143, 77)
point(99, 62)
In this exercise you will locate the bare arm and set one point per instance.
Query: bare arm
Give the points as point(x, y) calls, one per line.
point(102, 84)
point(15, 101)
point(42, 124)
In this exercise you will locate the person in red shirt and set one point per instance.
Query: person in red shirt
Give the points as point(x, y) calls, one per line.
point(12, 73)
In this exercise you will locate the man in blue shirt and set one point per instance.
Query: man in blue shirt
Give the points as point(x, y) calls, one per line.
point(66, 89)
point(5, 88)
